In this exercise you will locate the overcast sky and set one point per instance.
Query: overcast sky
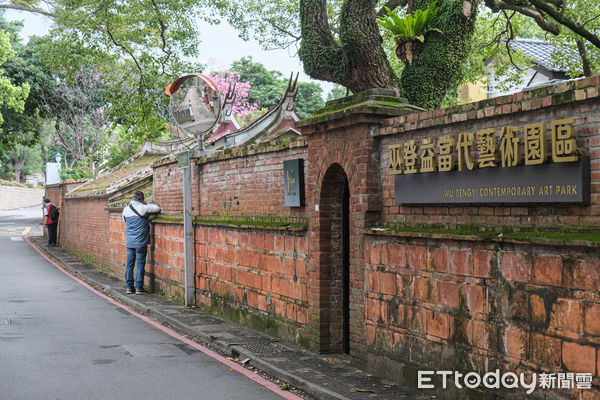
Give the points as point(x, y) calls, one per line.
point(220, 43)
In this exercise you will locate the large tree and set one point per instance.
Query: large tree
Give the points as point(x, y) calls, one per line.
point(138, 46)
point(341, 42)
point(12, 97)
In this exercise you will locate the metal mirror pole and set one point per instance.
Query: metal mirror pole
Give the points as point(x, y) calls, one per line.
point(188, 230)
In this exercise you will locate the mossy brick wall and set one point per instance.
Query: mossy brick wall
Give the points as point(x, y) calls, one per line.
point(443, 301)
point(239, 270)
point(574, 99)
point(256, 270)
point(454, 304)
point(84, 227)
point(248, 184)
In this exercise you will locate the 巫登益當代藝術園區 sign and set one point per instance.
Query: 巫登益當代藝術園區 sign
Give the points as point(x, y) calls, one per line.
point(514, 168)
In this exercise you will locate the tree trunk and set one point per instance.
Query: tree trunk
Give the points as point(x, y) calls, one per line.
point(358, 62)
point(438, 62)
point(18, 167)
point(585, 62)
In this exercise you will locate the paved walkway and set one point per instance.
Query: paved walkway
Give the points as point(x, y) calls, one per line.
point(321, 377)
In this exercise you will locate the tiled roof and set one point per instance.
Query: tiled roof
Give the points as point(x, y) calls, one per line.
point(541, 51)
point(121, 175)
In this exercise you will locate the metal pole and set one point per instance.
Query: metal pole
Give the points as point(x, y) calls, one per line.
point(188, 230)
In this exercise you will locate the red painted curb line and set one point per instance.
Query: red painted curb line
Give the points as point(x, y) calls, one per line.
point(233, 365)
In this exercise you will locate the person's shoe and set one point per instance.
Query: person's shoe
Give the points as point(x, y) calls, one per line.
point(139, 291)
point(129, 291)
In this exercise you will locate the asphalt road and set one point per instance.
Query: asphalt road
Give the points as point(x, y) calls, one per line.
point(59, 340)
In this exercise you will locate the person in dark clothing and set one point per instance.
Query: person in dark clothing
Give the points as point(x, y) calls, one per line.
point(51, 224)
point(137, 235)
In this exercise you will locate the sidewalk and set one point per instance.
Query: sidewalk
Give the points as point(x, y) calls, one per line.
point(323, 377)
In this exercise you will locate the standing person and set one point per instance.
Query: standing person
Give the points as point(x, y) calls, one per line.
point(137, 234)
point(51, 221)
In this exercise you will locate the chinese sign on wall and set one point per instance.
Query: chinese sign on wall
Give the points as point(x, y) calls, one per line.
point(513, 164)
point(293, 182)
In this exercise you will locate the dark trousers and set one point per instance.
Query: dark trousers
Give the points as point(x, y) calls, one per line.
point(136, 255)
point(52, 233)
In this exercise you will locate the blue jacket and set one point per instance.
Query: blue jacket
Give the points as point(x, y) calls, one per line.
point(137, 229)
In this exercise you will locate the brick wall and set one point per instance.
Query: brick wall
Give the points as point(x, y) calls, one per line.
point(543, 105)
point(477, 306)
point(84, 227)
point(260, 270)
point(239, 271)
point(413, 300)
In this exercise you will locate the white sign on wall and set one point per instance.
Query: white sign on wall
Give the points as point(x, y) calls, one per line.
point(52, 173)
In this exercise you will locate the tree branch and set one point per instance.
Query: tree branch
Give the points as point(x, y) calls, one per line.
point(34, 10)
point(322, 57)
point(282, 30)
point(533, 13)
point(392, 5)
point(561, 19)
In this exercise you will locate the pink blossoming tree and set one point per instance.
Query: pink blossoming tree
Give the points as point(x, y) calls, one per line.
point(223, 80)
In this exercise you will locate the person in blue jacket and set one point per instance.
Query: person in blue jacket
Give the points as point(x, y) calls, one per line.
point(137, 234)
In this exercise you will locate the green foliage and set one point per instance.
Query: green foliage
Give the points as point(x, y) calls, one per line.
point(337, 92)
point(21, 161)
point(440, 56)
point(81, 171)
point(413, 26)
point(12, 96)
point(266, 87)
point(308, 99)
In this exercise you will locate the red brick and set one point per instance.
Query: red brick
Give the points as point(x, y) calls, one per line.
point(538, 310)
point(387, 283)
point(370, 333)
point(475, 296)
point(423, 290)
point(591, 322)
point(547, 271)
point(515, 267)
point(417, 257)
point(397, 255)
point(578, 358)
point(460, 262)
point(482, 261)
point(483, 333)
point(567, 314)
point(438, 260)
point(438, 325)
point(373, 310)
point(545, 350)
point(584, 274)
point(516, 343)
point(371, 281)
point(448, 294)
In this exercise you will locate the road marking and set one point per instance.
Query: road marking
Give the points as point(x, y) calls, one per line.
point(231, 364)
point(14, 230)
point(16, 238)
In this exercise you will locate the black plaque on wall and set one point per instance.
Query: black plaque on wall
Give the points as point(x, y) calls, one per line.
point(546, 183)
point(293, 182)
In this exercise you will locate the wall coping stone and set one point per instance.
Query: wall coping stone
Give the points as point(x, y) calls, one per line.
point(571, 91)
point(237, 152)
point(476, 238)
point(375, 103)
